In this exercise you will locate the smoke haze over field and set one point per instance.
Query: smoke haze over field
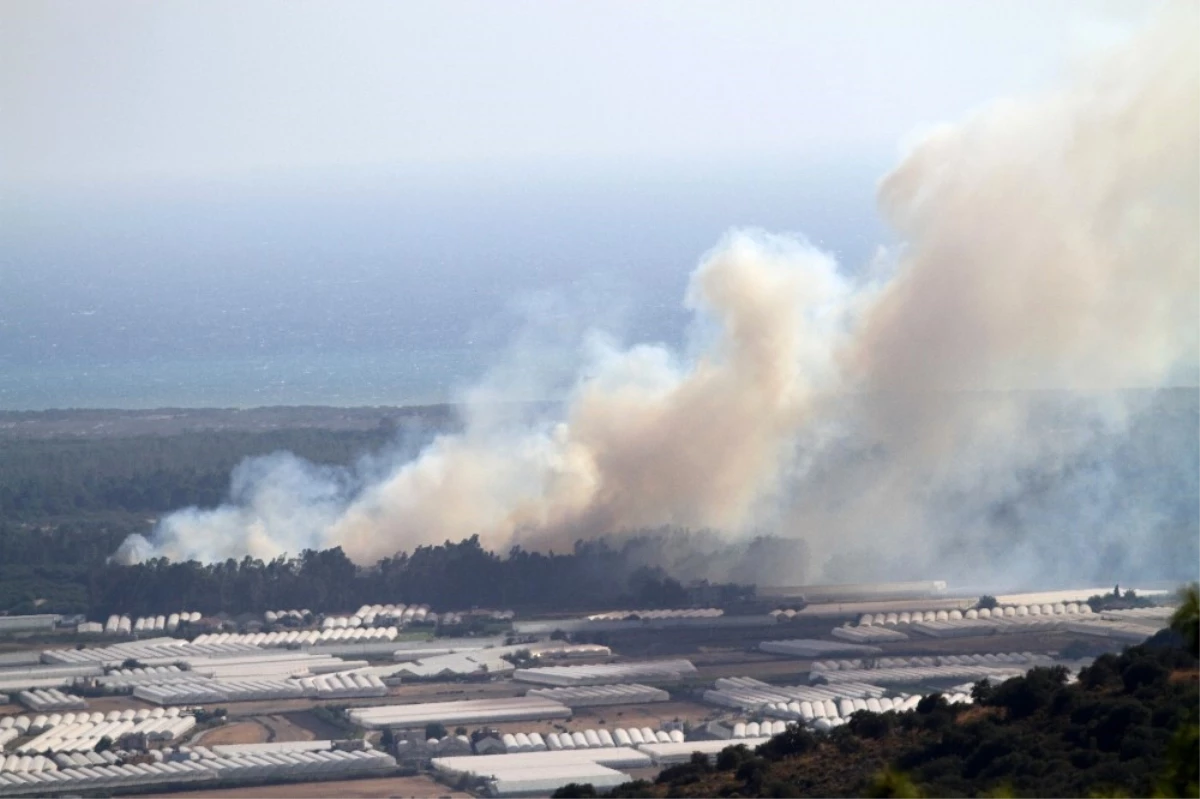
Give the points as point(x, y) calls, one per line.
point(963, 402)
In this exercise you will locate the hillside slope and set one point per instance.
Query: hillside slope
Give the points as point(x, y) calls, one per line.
point(1127, 727)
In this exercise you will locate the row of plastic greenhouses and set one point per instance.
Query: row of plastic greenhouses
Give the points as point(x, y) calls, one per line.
point(868, 635)
point(36, 673)
point(294, 764)
point(38, 699)
point(34, 725)
point(603, 673)
point(283, 765)
point(273, 616)
point(621, 736)
point(21, 764)
point(124, 625)
point(754, 729)
point(271, 666)
point(542, 773)
point(332, 686)
point(807, 711)
point(297, 638)
point(1007, 612)
point(149, 652)
point(380, 615)
point(83, 737)
point(844, 708)
point(747, 693)
point(915, 675)
point(127, 678)
point(983, 659)
point(590, 696)
point(465, 711)
point(204, 691)
point(101, 778)
point(669, 754)
point(585, 739)
point(27, 763)
point(85, 759)
point(684, 613)
point(207, 691)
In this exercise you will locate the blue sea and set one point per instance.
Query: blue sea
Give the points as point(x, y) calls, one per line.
point(370, 289)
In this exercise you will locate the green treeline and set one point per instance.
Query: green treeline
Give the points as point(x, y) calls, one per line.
point(447, 577)
point(66, 504)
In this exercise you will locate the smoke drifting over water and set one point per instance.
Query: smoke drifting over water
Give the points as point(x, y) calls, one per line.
point(960, 406)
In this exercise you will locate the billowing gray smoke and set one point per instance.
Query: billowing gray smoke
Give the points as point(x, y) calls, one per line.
point(967, 406)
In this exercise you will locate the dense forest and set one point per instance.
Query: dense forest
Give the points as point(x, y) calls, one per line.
point(452, 576)
point(68, 501)
point(48, 477)
point(1126, 727)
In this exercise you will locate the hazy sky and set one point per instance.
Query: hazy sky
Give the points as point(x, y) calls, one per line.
point(94, 92)
point(194, 195)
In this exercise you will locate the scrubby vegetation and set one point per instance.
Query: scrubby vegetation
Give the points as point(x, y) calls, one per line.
point(1115, 600)
point(522, 659)
point(986, 602)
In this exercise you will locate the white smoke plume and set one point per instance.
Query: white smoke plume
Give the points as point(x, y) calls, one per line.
point(647, 441)
point(1049, 244)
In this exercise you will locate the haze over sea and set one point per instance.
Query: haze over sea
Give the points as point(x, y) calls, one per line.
point(362, 203)
point(382, 289)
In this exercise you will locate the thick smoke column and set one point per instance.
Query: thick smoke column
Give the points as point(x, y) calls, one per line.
point(1049, 244)
point(647, 441)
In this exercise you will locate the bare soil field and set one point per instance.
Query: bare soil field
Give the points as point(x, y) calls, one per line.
point(449, 692)
point(291, 728)
point(379, 788)
point(718, 657)
point(104, 704)
point(239, 732)
point(773, 670)
point(683, 641)
point(269, 729)
point(1041, 641)
point(648, 715)
point(303, 726)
